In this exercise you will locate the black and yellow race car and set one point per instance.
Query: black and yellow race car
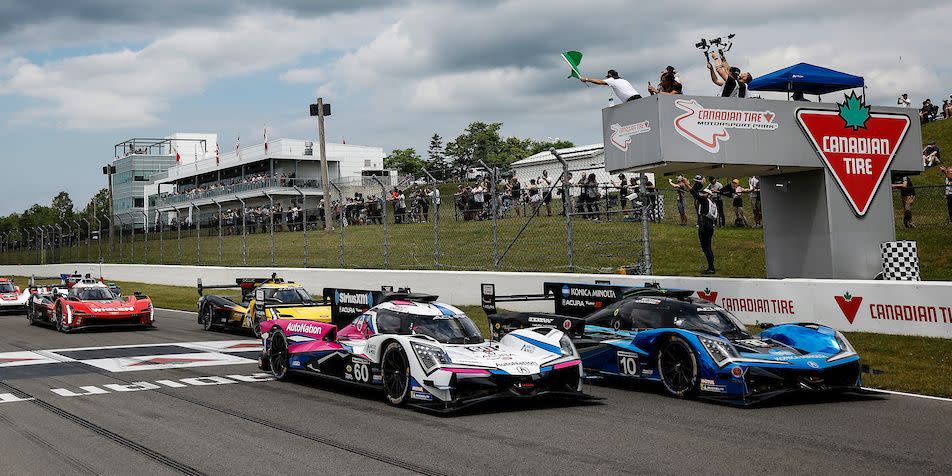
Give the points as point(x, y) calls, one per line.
point(261, 299)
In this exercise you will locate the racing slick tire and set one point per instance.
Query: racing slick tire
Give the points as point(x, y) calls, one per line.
point(395, 375)
point(30, 315)
point(678, 368)
point(279, 359)
point(208, 318)
point(59, 321)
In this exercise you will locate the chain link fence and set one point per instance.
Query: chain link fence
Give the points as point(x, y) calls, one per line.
point(572, 225)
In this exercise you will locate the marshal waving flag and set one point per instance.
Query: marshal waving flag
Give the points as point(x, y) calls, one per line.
point(573, 58)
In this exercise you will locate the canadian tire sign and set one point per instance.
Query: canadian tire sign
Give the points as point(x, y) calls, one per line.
point(856, 146)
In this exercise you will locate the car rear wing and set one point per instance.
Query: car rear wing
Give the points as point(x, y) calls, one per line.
point(34, 279)
point(570, 299)
point(246, 285)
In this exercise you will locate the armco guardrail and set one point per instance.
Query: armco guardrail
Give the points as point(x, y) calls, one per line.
point(887, 307)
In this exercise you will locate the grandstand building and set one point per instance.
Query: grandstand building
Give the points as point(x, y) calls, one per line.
point(158, 181)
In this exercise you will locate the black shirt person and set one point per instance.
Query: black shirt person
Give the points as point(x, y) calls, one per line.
point(705, 223)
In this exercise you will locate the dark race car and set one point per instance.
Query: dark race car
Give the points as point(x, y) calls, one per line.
point(691, 346)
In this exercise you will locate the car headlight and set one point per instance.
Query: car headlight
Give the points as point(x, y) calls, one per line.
point(719, 350)
point(846, 349)
point(566, 344)
point(69, 315)
point(430, 356)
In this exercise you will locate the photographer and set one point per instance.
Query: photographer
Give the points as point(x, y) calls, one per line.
point(706, 217)
point(668, 84)
point(624, 91)
point(732, 81)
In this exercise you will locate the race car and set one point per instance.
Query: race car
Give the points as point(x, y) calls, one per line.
point(11, 297)
point(261, 299)
point(689, 345)
point(87, 304)
point(424, 353)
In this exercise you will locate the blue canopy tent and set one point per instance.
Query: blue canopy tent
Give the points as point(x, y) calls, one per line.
point(807, 79)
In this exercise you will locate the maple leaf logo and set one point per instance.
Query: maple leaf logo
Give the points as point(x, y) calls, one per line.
point(854, 111)
point(708, 295)
point(848, 305)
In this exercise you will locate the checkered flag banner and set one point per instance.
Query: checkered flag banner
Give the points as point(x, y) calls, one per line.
point(900, 261)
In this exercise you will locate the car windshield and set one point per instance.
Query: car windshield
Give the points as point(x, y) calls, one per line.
point(291, 296)
point(710, 319)
point(455, 329)
point(93, 294)
point(7, 288)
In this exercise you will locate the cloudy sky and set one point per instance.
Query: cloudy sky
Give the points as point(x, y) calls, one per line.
point(78, 76)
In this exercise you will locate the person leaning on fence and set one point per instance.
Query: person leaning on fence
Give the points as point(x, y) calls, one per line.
point(907, 192)
point(706, 218)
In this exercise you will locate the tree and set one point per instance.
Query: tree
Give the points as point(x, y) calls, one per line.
point(100, 204)
point(436, 155)
point(406, 161)
point(541, 146)
point(480, 141)
point(511, 150)
point(63, 206)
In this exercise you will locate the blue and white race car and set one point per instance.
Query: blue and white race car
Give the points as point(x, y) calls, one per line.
point(425, 353)
point(690, 345)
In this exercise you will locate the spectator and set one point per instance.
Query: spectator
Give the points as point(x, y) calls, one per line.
point(679, 187)
point(622, 186)
point(907, 192)
point(533, 194)
point(732, 81)
point(928, 112)
point(754, 185)
point(545, 184)
point(931, 155)
point(947, 109)
point(668, 84)
point(715, 189)
point(706, 218)
point(591, 197)
point(737, 199)
point(903, 100)
point(516, 190)
point(479, 199)
point(623, 90)
point(947, 171)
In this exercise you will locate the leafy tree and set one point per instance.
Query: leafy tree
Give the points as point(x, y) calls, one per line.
point(511, 150)
point(63, 206)
point(480, 141)
point(406, 161)
point(100, 204)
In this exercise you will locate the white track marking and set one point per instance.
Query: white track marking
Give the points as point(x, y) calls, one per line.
point(904, 394)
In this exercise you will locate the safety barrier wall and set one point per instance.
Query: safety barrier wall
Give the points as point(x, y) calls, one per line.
point(888, 307)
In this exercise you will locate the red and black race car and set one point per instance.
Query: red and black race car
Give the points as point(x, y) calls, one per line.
point(87, 304)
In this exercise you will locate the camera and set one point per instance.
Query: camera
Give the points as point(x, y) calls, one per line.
point(720, 43)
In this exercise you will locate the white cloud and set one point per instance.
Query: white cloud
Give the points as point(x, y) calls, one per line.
point(302, 76)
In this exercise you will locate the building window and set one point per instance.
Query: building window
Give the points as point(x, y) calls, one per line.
point(138, 202)
point(366, 162)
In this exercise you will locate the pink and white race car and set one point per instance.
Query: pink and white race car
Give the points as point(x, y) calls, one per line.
point(425, 353)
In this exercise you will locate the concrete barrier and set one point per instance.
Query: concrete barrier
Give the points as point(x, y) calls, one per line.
point(889, 307)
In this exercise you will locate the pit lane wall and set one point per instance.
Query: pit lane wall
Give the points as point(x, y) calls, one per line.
point(887, 307)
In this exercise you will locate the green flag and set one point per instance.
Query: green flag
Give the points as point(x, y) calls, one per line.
point(573, 58)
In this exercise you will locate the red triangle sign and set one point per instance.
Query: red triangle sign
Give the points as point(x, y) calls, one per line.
point(858, 157)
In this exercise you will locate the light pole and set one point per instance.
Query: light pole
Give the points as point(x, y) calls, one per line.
point(271, 225)
point(216, 202)
point(109, 170)
point(244, 234)
point(303, 219)
point(197, 221)
point(89, 236)
point(320, 110)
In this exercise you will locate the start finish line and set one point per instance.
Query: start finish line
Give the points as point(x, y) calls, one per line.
point(822, 167)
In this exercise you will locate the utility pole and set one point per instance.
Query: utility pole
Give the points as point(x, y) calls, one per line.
point(109, 170)
point(321, 111)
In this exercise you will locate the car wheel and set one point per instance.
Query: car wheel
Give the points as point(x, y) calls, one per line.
point(59, 321)
point(256, 327)
point(30, 315)
point(678, 368)
point(278, 355)
point(207, 316)
point(395, 370)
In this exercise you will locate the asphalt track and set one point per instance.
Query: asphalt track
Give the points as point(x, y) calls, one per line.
point(246, 424)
